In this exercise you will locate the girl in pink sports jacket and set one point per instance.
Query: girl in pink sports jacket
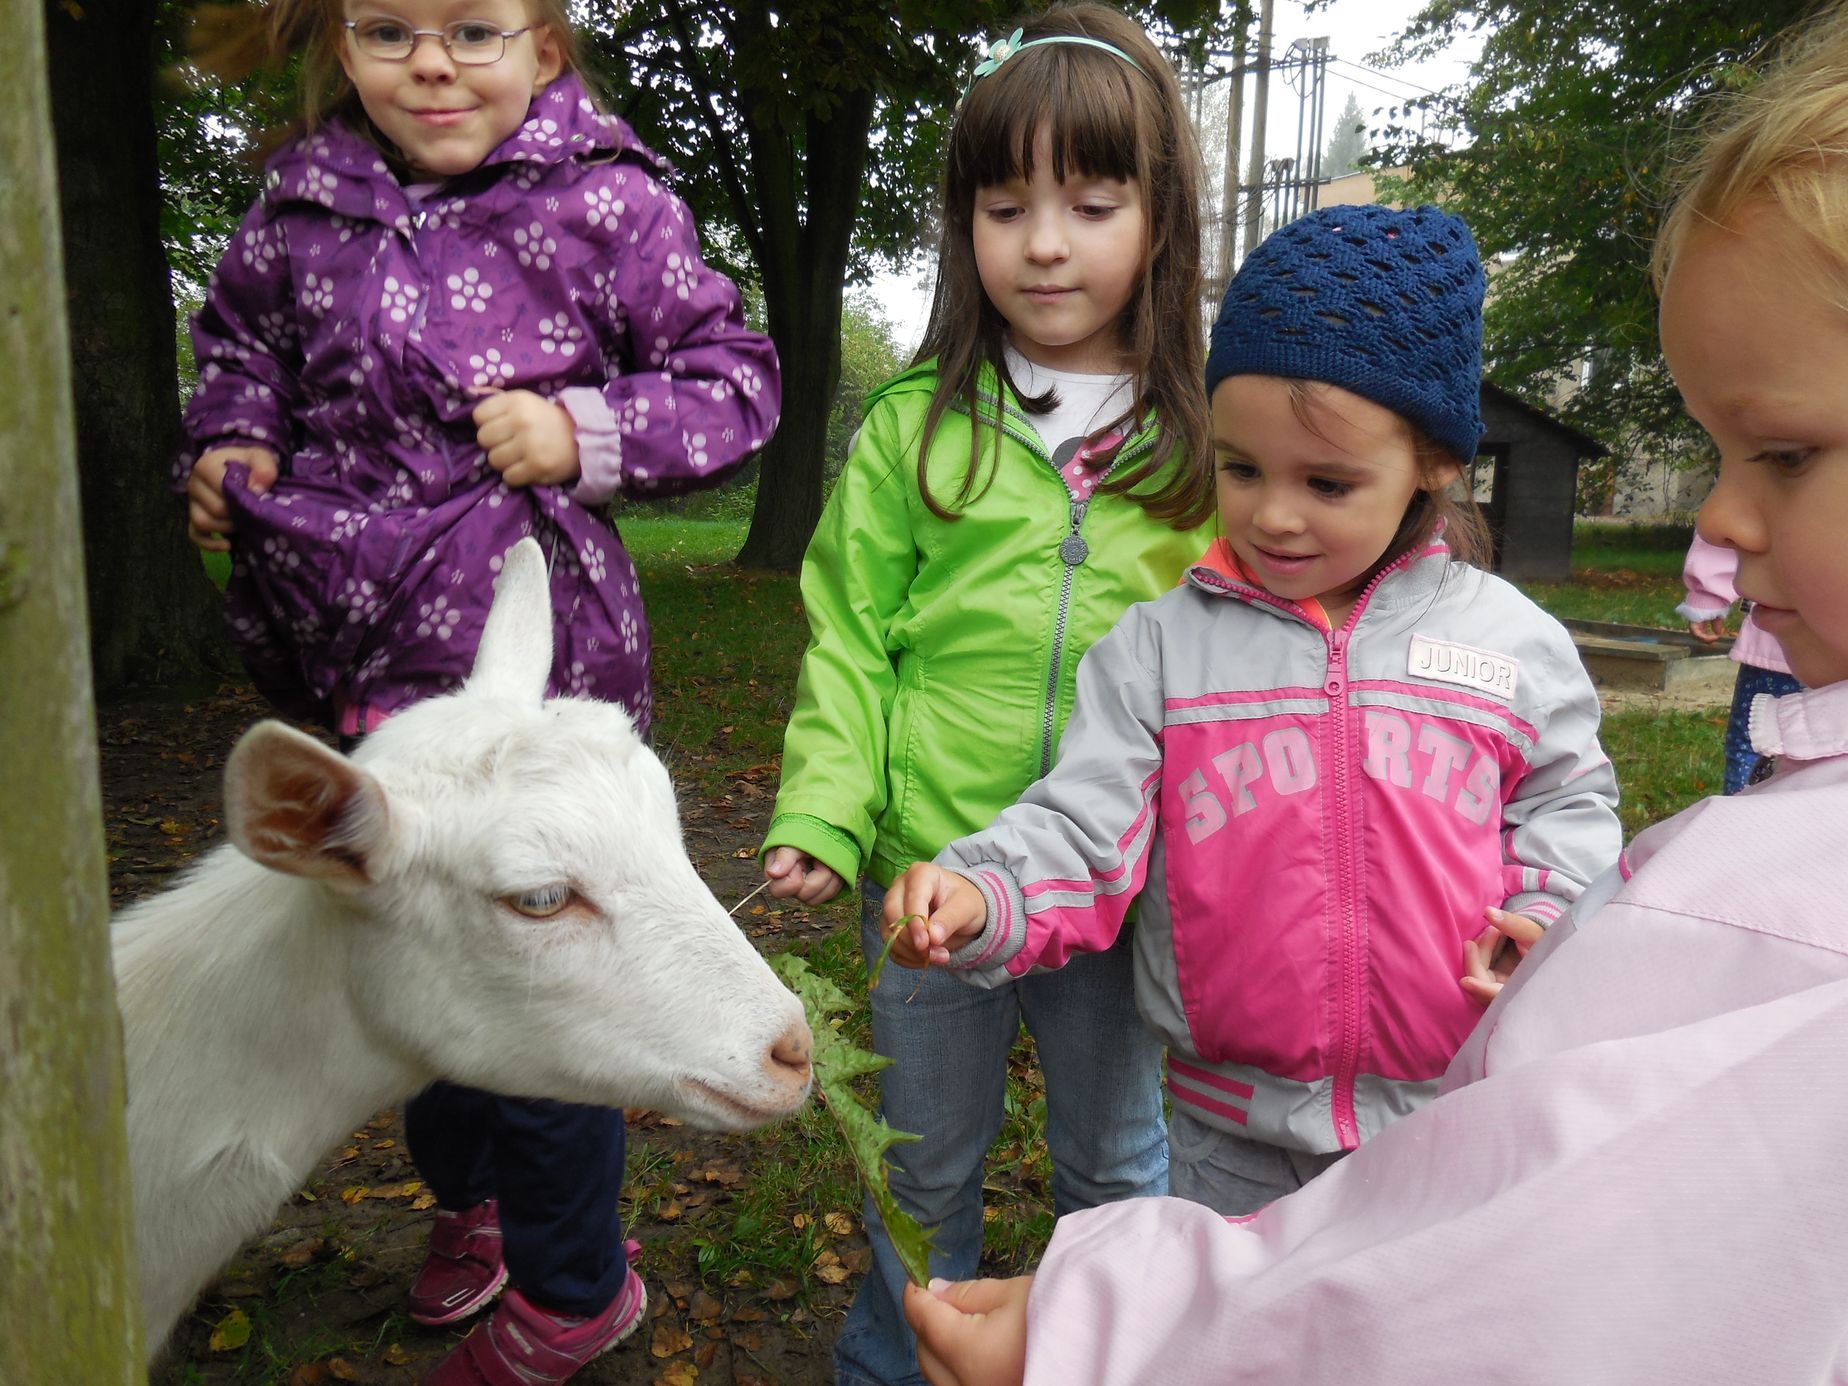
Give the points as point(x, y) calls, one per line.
point(1329, 761)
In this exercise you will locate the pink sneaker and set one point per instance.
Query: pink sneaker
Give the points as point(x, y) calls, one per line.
point(463, 1269)
point(524, 1345)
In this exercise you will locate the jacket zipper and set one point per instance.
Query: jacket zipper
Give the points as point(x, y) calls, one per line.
point(1073, 551)
point(1351, 946)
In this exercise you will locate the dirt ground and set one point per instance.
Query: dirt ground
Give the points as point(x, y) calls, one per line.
point(319, 1297)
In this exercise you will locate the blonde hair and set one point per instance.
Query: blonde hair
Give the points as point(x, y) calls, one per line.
point(1104, 119)
point(232, 41)
point(1783, 141)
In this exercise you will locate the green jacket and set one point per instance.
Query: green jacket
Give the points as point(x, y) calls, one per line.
point(942, 654)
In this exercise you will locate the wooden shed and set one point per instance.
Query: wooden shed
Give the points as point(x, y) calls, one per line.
point(1525, 478)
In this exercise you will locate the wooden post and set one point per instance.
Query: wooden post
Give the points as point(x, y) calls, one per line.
point(69, 1292)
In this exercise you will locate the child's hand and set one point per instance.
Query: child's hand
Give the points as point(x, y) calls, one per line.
point(1490, 958)
point(971, 1333)
point(529, 440)
point(208, 518)
point(934, 912)
point(793, 875)
point(1707, 632)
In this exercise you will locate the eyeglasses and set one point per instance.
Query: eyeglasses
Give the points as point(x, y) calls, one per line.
point(469, 42)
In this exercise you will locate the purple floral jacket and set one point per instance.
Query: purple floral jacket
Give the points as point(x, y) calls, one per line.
point(351, 329)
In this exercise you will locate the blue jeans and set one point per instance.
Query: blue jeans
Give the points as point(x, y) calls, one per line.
point(1104, 1126)
point(1752, 680)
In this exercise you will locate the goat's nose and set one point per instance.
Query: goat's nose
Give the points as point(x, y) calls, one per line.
point(792, 1049)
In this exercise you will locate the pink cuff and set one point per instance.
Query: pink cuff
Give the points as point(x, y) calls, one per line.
point(599, 444)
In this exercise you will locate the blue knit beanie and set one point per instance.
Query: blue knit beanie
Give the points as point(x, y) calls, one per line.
point(1382, 302)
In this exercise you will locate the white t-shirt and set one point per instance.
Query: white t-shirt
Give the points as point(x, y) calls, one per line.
point(1086, 403)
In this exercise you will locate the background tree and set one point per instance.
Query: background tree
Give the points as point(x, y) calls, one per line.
point(152, 613)
point(1554, 151)
point(1347, 146)
point(814, 134)
point(68, 1287)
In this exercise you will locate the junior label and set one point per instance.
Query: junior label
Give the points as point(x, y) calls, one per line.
point(1465, 665)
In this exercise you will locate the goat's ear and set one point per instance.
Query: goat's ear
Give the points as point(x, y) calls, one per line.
point(294, 806)
point(514, 660)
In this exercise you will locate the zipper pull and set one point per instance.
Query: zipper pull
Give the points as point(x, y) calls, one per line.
point(1072, 549)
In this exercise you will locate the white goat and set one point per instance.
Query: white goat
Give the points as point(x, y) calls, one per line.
point(493, 890)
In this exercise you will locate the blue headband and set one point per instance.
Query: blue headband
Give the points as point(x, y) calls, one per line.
point(1002, 49)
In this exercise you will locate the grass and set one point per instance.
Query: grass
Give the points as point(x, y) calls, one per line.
point(1628, 574)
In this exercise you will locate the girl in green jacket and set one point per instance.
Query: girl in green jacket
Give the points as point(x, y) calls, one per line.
point(1045, 463)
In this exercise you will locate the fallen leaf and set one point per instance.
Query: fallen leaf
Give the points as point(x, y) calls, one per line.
point(831, 1275)
point(354, 1194)
point(669, 1338)
point(678, 1374)
point(703, 1358)
point(231, 1332)
point(799, 1221)
point(423, 1201)
point(704, 1308)
point(396, 1356)
point(839, 1224)
point(781, 1288)
point(302, 1252)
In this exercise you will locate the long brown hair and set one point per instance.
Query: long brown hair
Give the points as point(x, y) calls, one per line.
point(1103, 119)
point(232, 41)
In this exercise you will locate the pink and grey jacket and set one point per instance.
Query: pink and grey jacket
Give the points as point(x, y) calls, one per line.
point(1638, 1153)
point(1313, 822)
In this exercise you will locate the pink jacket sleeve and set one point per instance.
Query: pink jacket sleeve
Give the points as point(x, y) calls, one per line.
point(1707, 574)
point(1623, 1198)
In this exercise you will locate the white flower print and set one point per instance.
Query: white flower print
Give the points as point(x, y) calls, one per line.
point(695, 444)
point(347, 525)
point(277, 554)
point(318, 186)
point(604, 209)
point(399, 300)
point(535, 247)
point(447, 212)
point(466, 290)
point(489, 369)
point(631, 631)
point(543, 131)
point(657, 351)
point(720, 390)
point(317, 294)
point(679, 276)
point(259, 250)
point(591, 556)
point(633, 416)
point(359, 597)
point(438, 618)
point(578, 679)
point(558, 335)
point(750, 384)
point(277, 328)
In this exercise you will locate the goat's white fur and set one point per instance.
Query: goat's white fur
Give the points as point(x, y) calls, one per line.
point(360, 936)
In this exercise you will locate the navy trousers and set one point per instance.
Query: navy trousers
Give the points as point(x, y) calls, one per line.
point(556, 1168)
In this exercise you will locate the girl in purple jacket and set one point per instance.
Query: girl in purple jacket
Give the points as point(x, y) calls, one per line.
point(465, 309)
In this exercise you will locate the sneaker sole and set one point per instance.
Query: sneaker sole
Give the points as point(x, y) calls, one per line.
point(472, 1306)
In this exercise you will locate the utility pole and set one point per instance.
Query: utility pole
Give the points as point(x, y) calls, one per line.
point(1235, 139)
point(1254, 209)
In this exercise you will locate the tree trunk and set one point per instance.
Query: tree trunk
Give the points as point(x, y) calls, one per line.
point(69, 1295)
point(153, 614)
point(804, 268)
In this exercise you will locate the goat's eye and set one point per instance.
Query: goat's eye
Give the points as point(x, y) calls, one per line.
point(543, 902)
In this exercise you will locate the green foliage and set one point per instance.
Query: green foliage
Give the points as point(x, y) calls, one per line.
point(837, 1062)
point(1554, 151)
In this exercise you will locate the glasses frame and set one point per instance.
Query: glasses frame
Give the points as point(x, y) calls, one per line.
point(442, 36)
